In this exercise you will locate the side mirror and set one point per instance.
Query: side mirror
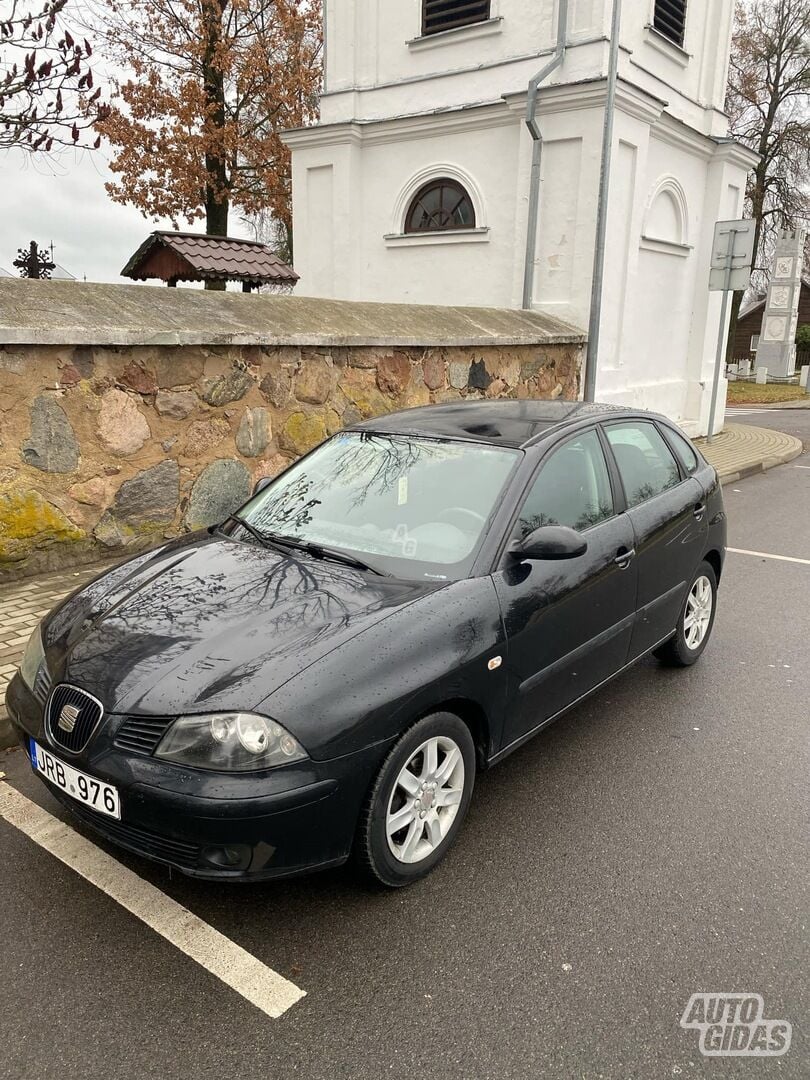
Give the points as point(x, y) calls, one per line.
point(261, 484)
point(550, 542)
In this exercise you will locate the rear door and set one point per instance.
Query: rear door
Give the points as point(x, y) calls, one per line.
point(667, 510)
point(568, 622)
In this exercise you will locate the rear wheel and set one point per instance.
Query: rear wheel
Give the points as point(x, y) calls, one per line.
point(695, 621)
point(418, 801)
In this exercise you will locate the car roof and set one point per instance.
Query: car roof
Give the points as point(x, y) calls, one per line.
point(513, 422)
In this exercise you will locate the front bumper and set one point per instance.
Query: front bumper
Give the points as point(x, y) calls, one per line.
point(277, 823)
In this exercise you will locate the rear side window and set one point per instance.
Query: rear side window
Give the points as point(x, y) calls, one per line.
point(572, 488)
point(645, 462)
point(684, 451)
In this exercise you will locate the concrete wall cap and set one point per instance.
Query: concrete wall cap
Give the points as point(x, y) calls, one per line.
point(76, 313)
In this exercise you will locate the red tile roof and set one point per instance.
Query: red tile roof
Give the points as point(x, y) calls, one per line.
point(213, 257)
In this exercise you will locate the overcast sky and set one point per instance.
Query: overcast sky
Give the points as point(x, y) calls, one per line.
point(62, 200)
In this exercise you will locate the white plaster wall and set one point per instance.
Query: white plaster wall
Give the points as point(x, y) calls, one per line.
point(369, 260)
point(395, 111)
point(377, 65)
point(374, 42)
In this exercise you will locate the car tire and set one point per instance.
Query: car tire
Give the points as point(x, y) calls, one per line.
point(415, 807)
point(698, 609)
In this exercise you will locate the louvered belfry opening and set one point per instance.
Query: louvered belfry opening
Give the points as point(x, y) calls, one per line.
point(438, 15)
point(670, 19)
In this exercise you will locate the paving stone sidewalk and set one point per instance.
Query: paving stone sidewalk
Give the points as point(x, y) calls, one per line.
point(739, 450)
point(22, 605)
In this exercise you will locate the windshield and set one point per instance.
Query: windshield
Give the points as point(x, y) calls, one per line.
point(412, 507)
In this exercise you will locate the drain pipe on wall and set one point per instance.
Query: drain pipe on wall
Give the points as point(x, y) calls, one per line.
point(537, 151)
point(589, 387)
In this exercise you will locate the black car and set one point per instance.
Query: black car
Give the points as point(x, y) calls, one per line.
point(323, 674)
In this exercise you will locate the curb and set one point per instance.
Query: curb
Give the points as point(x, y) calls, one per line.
point(795, 404)
point(8, 736)
point(764, 465)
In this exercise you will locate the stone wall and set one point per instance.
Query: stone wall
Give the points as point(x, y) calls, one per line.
point(109, 448)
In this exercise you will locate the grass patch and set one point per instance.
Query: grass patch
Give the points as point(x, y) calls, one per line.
point(744, 393)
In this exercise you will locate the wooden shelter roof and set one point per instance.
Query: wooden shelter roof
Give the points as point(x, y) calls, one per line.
point(177, 256)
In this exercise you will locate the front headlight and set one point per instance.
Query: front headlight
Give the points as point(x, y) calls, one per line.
point(32, 658)
point(229, 741)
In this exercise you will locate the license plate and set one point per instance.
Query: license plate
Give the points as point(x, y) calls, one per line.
point(83, 788)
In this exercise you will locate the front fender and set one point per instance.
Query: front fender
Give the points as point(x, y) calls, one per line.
point(370, 689)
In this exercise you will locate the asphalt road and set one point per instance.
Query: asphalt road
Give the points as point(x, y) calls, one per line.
point(651, 844)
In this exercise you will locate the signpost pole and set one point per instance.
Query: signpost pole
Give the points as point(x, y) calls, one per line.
point(721, 334)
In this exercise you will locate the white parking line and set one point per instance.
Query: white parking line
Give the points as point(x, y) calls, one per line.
point(767, 555)
point(229, 962)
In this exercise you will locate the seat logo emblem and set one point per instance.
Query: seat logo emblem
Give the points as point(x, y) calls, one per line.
point(68, 717)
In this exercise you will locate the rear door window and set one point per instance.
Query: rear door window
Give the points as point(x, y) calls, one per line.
point(684, 450)
point(645, 462)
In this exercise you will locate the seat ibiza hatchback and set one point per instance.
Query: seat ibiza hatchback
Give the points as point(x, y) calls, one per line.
point(323, 674)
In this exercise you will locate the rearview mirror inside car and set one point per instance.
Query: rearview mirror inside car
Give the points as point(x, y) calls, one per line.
point(550, 542)
point(261, 484)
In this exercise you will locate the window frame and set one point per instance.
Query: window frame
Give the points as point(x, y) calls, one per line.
point(617, 493)
point(456, 25)
point(429, 185)
point(683, 476)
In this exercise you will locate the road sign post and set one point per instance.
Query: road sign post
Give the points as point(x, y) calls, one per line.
point(732, 255)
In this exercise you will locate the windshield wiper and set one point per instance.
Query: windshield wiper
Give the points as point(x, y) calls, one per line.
point(264, 540)
point(319, 551)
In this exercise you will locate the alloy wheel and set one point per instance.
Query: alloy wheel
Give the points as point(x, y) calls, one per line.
point(425, 799)
point(698, 612)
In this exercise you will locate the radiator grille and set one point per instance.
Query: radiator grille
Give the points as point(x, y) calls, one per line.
point(142, 734)
point(72, 715)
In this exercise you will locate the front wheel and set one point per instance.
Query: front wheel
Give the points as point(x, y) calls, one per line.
point(418, 801)
point(695, 621)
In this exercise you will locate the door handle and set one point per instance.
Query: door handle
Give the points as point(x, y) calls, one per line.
point(624, 558)
point(699, 511)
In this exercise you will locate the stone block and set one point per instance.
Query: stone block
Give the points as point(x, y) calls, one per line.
point(175, 404)
point(218, 491)
point(52, 445)
point(203, 435)
point(254, 432)
point(301, 432)
point(122, 428)
point(393, 373)
point(434, 371)
point(313, 383)
point(222, 389)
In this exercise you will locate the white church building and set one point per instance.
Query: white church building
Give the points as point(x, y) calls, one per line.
point(414, 186)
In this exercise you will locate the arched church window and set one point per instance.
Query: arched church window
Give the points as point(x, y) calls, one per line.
point(438, 206)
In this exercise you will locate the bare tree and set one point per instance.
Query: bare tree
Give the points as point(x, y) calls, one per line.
point(768, 101)
point(47, 96)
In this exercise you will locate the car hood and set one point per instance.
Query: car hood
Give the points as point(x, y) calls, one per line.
point(209, 623)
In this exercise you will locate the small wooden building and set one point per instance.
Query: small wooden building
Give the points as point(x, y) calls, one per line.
point(176, 256)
